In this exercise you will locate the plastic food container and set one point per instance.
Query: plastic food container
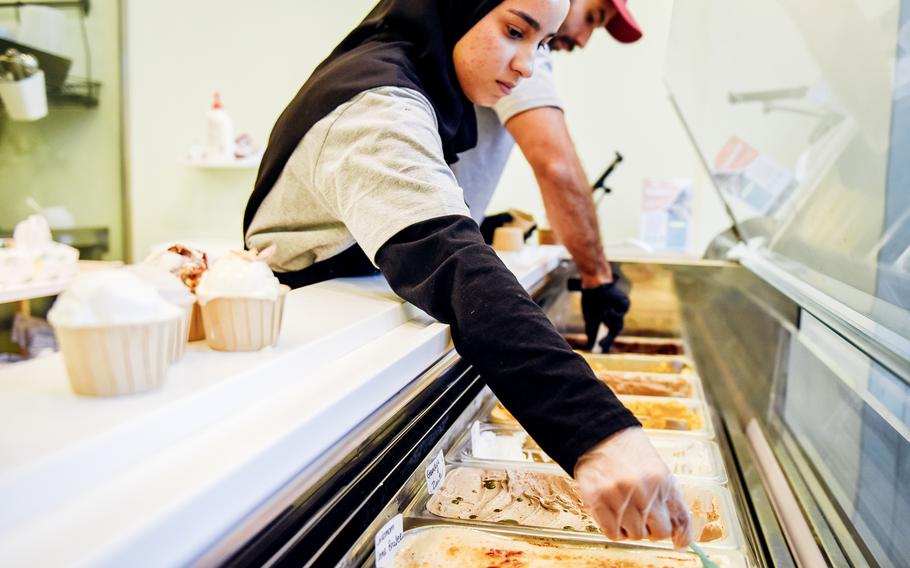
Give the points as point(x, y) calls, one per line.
point(685, 385)
point(495, 445)
point(631, 345)
point(483, 497)
point(671, 416)
point(665, 415)
point(457, 546)
point(639, 363)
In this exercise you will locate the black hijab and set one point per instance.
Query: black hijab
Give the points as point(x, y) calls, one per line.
point(401, 43)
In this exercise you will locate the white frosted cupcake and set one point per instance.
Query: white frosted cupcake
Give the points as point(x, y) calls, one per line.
point(187, 264)
point(172, 290)
point(242, 302)
point(116, 333)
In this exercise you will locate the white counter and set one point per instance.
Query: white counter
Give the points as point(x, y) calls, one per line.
point(154, 479)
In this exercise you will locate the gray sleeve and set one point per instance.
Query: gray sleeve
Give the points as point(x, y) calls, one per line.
point(381, 168)
point(538, 90)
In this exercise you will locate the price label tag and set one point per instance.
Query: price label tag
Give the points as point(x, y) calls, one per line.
point(435, 473)
point(387, 541)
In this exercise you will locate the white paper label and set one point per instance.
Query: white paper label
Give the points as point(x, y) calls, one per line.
point(435, 473)
point(387, 541)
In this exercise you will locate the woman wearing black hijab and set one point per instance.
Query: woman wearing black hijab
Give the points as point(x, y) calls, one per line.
point(356, 173)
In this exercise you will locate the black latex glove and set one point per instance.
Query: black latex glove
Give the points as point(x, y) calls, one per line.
point(493, 222)
point(606, 304)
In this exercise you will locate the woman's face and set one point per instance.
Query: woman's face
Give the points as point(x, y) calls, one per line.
point(499, 50)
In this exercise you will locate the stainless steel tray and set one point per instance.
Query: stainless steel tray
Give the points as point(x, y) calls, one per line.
point(683, 385)
point(497, 414)
point(631, 345)
point(639, 363)
point(499, 542)
point(731, 538)
point(694, 459)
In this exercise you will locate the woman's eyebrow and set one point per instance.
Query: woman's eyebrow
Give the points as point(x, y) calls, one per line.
point(527, 18)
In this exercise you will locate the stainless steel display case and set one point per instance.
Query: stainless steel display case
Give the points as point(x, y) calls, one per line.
point(768, 379)
point(800, 333)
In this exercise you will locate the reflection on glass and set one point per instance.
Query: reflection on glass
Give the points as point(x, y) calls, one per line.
point(851, 417)
point(801, 110)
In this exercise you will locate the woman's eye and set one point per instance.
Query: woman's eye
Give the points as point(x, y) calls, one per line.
point(515, 33)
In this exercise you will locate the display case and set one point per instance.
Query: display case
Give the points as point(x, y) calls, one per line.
point(794, 331)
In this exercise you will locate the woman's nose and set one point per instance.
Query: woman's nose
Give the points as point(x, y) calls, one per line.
point(523, 63)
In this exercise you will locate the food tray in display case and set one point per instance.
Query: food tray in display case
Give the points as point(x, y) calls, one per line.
point(630, 345)
point(550, 503)
point(496, 445)
point(684, 385)
point(639, 363)
point(458, 546)
point(684, 417)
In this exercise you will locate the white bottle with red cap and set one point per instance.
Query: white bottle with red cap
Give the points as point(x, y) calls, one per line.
point(220, 136)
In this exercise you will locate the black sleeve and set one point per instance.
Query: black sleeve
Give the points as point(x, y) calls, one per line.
point(443, 267)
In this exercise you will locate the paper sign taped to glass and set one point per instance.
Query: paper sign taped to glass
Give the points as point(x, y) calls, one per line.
point(758, 183)
point(666, 213)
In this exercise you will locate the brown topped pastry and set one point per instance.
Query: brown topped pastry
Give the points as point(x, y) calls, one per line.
point(190, 272)
point(646, 384)
point(186, 263)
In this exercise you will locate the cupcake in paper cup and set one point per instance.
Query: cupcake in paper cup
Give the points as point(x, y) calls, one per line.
point(242, 302)
point(116, 333)
point(187, 264)
point(173, 291)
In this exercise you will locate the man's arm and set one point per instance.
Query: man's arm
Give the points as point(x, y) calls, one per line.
point(544, 139)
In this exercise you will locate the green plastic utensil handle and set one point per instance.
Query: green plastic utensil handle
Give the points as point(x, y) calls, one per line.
point(705, 561)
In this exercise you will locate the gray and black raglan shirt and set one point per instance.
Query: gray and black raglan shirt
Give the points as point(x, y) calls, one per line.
point(373, 172)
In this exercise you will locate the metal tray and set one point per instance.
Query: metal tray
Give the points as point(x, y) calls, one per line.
point(731, 533)
point(639, 363)
point(704, 453)
point(501, 540)
point(631, 345)
point(692, 383)
point(497, 414)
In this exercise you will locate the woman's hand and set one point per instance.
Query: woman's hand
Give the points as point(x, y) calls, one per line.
point(630, 491)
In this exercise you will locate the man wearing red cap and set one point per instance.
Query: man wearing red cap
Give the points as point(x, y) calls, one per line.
point(532, 116)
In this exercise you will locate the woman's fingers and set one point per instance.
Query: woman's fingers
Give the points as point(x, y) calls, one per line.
point(679, 519)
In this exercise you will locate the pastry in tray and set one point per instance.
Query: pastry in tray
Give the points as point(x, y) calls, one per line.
point(637, 363)
point(540, 499)
point(458, 547)
point(645, 346)
point(664, 414)
point(644, 384)
point(657, 414)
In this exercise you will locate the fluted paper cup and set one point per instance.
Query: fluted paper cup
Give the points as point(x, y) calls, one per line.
point(243, 324)
point(183, 331)
point(197, 327)
point(118, 359)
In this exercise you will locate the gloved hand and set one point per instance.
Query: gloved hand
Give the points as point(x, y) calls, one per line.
point(630, 492)
point(606, 304)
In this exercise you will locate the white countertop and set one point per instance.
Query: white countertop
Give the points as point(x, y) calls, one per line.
point(154, 479)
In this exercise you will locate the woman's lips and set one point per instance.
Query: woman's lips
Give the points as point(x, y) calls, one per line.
point(505, 87)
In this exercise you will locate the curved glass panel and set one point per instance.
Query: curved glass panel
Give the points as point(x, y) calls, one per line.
point(801, 112)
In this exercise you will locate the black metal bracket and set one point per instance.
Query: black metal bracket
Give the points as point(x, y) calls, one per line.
point(83, 5)
point(601, 181)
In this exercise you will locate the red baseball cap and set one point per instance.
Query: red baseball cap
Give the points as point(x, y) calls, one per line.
point(623, 26)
